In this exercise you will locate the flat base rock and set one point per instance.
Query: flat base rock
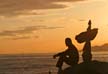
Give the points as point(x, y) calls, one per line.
point(93, 67)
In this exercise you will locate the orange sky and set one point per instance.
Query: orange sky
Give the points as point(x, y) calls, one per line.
point(37, 26)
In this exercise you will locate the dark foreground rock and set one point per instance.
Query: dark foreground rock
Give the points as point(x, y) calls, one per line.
point(94, 67)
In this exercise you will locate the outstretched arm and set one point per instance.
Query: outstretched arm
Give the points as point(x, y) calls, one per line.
point(89, 27)
point(58, 54)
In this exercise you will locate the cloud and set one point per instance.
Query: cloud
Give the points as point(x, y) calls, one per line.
point(81, 20)
point(16, 38)
point(26, 7)
point(22, 37)
point(24, 33)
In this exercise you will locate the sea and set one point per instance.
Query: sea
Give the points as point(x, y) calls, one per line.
point(39, 63)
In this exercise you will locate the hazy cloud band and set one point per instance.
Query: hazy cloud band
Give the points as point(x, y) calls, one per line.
point(25, 32)
point(17, 7)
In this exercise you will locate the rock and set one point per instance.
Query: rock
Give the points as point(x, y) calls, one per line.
point(93, 67)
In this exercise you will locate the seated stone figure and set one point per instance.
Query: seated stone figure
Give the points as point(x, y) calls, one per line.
point(70, 56)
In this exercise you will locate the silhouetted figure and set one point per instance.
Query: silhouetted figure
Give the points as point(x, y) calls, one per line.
point(86, 37)
point(87, 55)
point(70, 56)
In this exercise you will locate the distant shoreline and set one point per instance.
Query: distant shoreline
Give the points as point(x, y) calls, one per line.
point(32, 54)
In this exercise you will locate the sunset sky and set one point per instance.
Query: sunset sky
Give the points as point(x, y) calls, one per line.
point(41, 26)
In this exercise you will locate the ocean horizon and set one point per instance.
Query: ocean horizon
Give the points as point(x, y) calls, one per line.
point(39, 63)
